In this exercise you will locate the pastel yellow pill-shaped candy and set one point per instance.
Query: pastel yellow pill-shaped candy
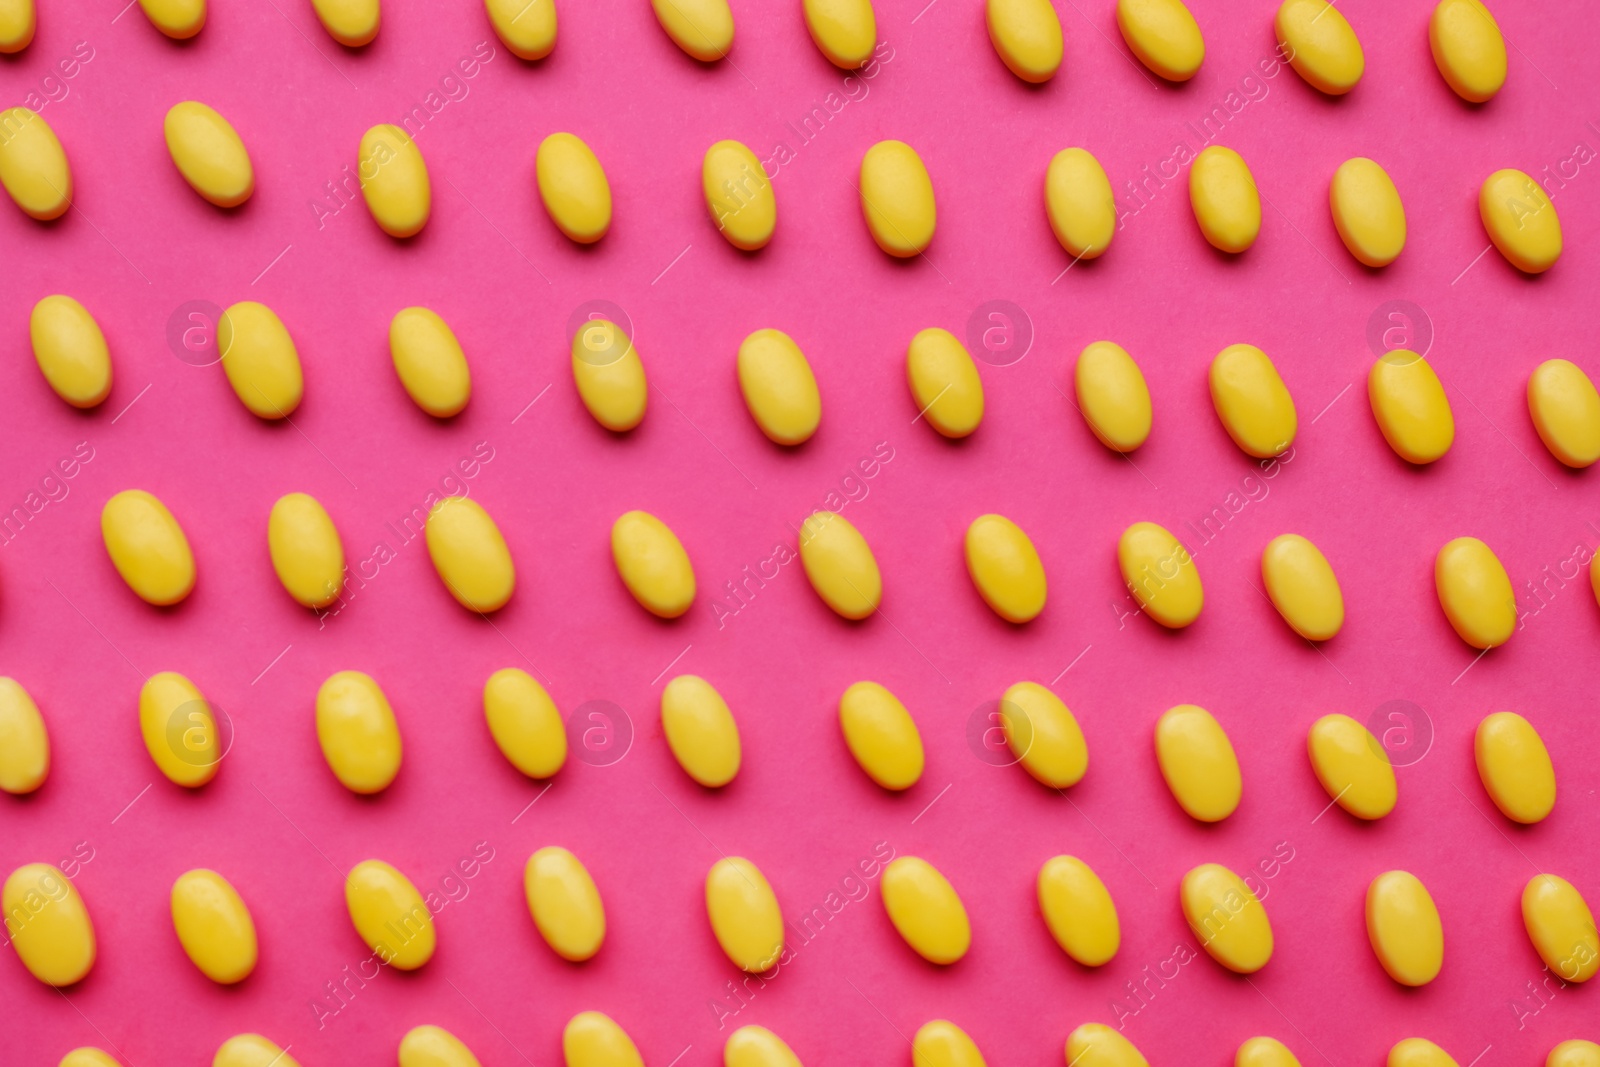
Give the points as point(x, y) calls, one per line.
point(1352, 766)
point(565, 903)
point(881, 735)
point(700, 730)
point(609, 374)
point(470, 554)
point(1113, 396)
point(744, 914)
point(88, 1056)
point(897, 199)
point(252, 1050)
point(1475, 593)
point(525, 723)
point(1251, 400)
point(71, 351)
point(1264, 1052)
point(260, 359)
point(1419, 1052)
point(1223, 194)
point(1515, 767)
point(1321, 46)
point(1574, 1053)
point(1225, 915)
point(845, 31)
point(1403, 926)
point(1043, 734)
point(306, 551)
point(944, 382)
point(574, 188)
point(526, 27)
point(839, 565)
point(394, 180)
point(390, 915)
point(352, 23)
point(1411, 407)
point(214, 926)
point(429, 361)
point(1521, 220)
point(756, 1046)
point(652, 563)
point(147, 546)
point(702, 28)
point(357, 731)
point(1079, 911)
point(1366, 208)
point(24, 743)
point(1097, 1045)
point(593, 1039)
point(48, 924)
point(1164, 35)
point(17, 23)
point(209, 154)
point(1005, 567)
point(1468, 49)
point(33, 166)
point(1198, 762)
point(1566, 411)
point(178, 19)
point(1302, 586)
point(1160, 574)
point(738, 193)
point(941, 1043)
point(925, 910)
point(1561, 927)
point(179, 729)
point(434, 1046)
point(1078, 201)
point(778, 387)
point(1027, 35)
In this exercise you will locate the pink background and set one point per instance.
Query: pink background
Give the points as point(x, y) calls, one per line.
point(280, 827)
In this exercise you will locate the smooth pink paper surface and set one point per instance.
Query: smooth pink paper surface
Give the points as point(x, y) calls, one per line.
point(140, 245)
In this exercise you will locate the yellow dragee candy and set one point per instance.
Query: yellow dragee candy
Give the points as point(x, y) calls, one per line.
point(1566, 411)
point(390, 915)
point(434, 1046)
point(839, 565)
point(1475, 593)
point(1561, 927)
point(1113, 396)
point(1302, 586)
point(845, 31)
point(756, 1046)
point(593, 1039)
point(941, 1043)
point(1264, 1052)
point(48, 924)
point(526, 27)
point(252, 1050)
point(926, 911)
point(944, 382)
point(1352, 766)
point(1079, 203)
point(1097, 1045)
point(147, 546)
point(881, 735)
point(744, 914)
point(1403, 926)
point(260, 360)
point(179, 729)
point(738, 194)
point(306, 551)
point(1574, 1053)
point(1043, 734)
point(1320, 44)
point(1411, 407)
point(352, 23)
point(778, 387)
point(1521, 220)
point(88, 1056)
point(700, 730)
point(1079, 911)
point(1160, 574)
point(394, 180)
point(1418, 1052)
point(1367, 210)
point(565, 903)
point(178, 19)
point(1251, 400)
point(897, 199)
point(24, 743)
point(357, 732)
point(209, 154)
point(71, 351)
point(652, 563)
point(1223, 195)
point(1515, 767)
point(1164, 35)
point(429, 361)
point(214, 926)
point(574, 188)
point(470, 554)
point(1005, 567)
point(702, 28)
point(33, 166)
point(525, 723)
point(1198, 762)
point(1468, 49)
point(1225, 915)
point(609, 374)
point(1027, 34)
point(17, 23)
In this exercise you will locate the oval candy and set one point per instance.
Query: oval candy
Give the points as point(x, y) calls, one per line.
point(429, 361)
point(390, 915)
point(1302, 586)
point(881, 735)
point(756, 1046)
point(652, 564)
point(71, 351)
point(738, 193)
point(1574, 1053)
point(526, 27)
point(565, 903)
point(1225, 915)
point(702, 28)
point(1561, 927)
point(1521, 220)
point(1366, 207)
point(1164, 35)
point(88, 1056)
point(434, 1046)
point(48, 924)
point(252, 1050)
point(944, 382)
point(1403, 926)
point(925, 910)
point(24, 742)
point(470, 554)
point(839, 565)
point(1223, 195)
point(1411, 407)
point(941, 1043)
point(260, 360)
point(214, 926)
point(1078, 199)
point(1043, 735)
point(700, 730)
point(1198, 762)
point(1352, 766)
point(178, 19)
point(1515, 767)
point(1468, 49)
point(1264, 1052)
point(1112, 396)
point(1079, 911)
point(1251, 400)
point(1320, 45)
point(33, 166)
point(179, 730)
point(1566, 411)
point(525, 723)
point(897, 199)
point(355, 727)
point(1160, 574)
point(1005, 567)
point(609, 374)
point(778, 387)
point(744, 914)
point(17, 24)
point(1475, 593)
point(209, 154)
point(306, 551)
point(845, 31)
point(574, 188)
point(593, 1039)
point(394, 180)
point(1418, 1052)
point(1027, 36)
point(1097, 1045)
point(352, 23)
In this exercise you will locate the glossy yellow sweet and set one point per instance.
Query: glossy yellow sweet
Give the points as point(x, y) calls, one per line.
point(1411, 407)
point(1043, 734)
point(1403, 926)
point(897, 199)
point(839, 565)
point(609, 374)
point(48, 924)
point(1097, 1045)
point(1251, 400)
point(1225, 915)
point(434, 1046)
point(390, 915)
point(1352, 766)
point(881, 735)
point(306, 551)
point(574, 188)
point(845, 31)
point(702, 28)
point(1515, 767)
point(652, 564)
point(178, 19)
point(1566, 411)
point(357, 732)
point(944, 382)
point(252, 1050)
point(470, 554)
point(1198, 762)
point(593, 1039)
point(941, 1043)
point(88, 1056)
point(926, 910)
point(1079, 911)
point(429, 361)
point(1521, 220)
point(1222, 193)
point(1574, 1053)
point(1561, 927)
point(209, 154)
point(260, 359)
point(756, 1046)
point(700, 730)
point(214, 926)
point(1321, 46)
point(526, 27)
point(1005, 567)
point(179, 729)
point(1160, 574)
point(24, 743)
point(778, 387)
point(17, 24)
point(1419, 1052)
point(394, 180)
point(738, 192)
point(1113, 396)
point(1027, 35)
point(71, 351)
point(565, 903)
point(1078, 199)
point(352, 23)
point(1302, 586)
point(1264, 1052)
point(744, 914)
point(1366, 206)
point(1475, 593)
point(33, 166)
point(1468, 49)
point(525, 723)
point(1164, 35)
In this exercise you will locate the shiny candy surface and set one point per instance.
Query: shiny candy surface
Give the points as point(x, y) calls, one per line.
point(1521, 220)
point(1352, 766)
point(209, 154)
point(434, 1046)
point(1027, 35)
point(653, 564)
point(306, 551)
point(702, 28)
point(926, 911)
point(1251, 400)
point(390, 915)
point(1164, 35)
point(1367, 210)
point(1097, 1045)
point(1566, 411)
point(1302, 586)
point(525, 722)
point(839, 564)
point(526, 27)
point(17, 24)
point(1043, 735)
point(565, 903)
point(1079, 202)
point(756, 1046)
point(48, 924)
point(941, 1043)
point(1403, 926)
point(429, 361)
point(700, 730)
point(1079, 911)
point(574, 188)
point(1223, 194)
point(260, 360)
point(609, 375)
point(1515, 767)
point(944, 382)
point(214, 926)
point(252, 1050)
point(358, 733)
point(1264, 1052)
point(179, 730)
point(778, 387)
point(845, 31)
point(394, 180)
point(33, 166)
point(1198, 763)
point(897, 199)
point(24, 743)
point(70, 350)
point(1411, 407)
point(1160, 574)
point(738, 194)
point(1468, 49)
point(470, 554)
point(178, 19)
point(1419, 1052)
point(1005, 568)
point(744, 914)
point(593, 1039)
point(1561, 927)
point(1113, 396)
point(1320, 44)
point(881, 735)
point(1475, 592)
point(352, 23)
point(1225, 915)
